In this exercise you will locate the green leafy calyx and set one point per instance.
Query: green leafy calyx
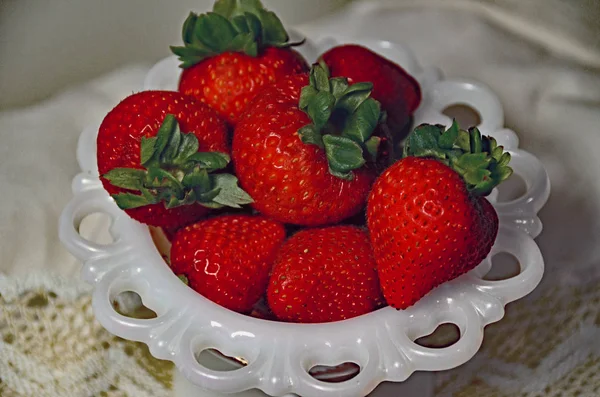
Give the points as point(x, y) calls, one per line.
point(344, 118)
point(176, 174)
point(477, 159)
point(233, 25)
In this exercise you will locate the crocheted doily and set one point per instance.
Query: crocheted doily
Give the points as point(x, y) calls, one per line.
point(51, 345)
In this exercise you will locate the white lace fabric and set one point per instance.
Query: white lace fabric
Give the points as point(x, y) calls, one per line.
point(545, 346)
point(51, 345)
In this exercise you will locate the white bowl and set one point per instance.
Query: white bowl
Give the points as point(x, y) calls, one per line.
point(280, 355)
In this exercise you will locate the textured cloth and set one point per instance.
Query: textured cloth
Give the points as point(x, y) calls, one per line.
point(545, 71)
point(51, 345)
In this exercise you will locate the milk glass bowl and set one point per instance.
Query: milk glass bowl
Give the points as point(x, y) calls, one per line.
point(279, 355)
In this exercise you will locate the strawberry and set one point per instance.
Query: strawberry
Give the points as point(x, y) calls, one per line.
point(304, 148)
point(323, 275)
point(228, 258)
point(157, 174)
point(231, 53)
point(397, 91)
point(428, 219)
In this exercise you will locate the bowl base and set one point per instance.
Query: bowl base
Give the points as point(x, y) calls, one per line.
point(419, 384)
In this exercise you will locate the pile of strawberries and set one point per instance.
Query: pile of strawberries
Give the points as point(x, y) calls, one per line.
point(279, 182)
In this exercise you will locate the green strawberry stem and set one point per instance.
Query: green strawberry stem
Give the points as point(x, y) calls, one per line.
point(477, 159)
point(344, 118)
point(184, 279)
point(176, 174)
point(233, 25)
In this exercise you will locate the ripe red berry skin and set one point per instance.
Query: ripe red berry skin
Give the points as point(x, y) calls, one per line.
point(228, 258)
point(288, 179)
point(426, 228)
point(229, 81)
point(140, 115)
point(397, 91)
point(324, 275)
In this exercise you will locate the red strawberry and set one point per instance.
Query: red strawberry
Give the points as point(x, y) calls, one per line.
point(157, 174)
point(228, 258)
point(396, 90)
point(323, 275)
point(301, 148)
point(428, 218)
point(231, 53)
